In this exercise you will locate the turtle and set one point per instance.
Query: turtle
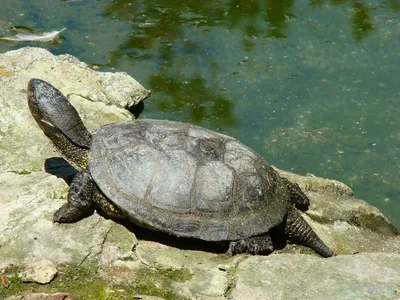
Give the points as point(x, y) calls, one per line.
point(173, 177)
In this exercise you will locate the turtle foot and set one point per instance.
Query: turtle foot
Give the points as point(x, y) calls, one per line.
point(70, 214)
point(257, 245)
point(79, 203)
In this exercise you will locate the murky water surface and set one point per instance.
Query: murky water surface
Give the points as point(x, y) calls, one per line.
point(313, 86)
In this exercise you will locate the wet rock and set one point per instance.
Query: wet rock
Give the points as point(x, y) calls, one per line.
point(42, 272)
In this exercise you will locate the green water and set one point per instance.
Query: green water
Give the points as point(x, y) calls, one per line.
point(312, 86)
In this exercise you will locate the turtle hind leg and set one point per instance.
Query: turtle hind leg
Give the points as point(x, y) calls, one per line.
point(258, 245)
point(297, 196)
point(79, 203)
point(299, 232)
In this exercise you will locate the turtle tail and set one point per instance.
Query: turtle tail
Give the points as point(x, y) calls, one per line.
point(299, 232)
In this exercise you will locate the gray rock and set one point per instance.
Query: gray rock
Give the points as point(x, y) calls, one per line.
point(42, 271)
point(296, 276)
point(110, 252)
point(27, 204)
point(207, 280)
point(100, 98)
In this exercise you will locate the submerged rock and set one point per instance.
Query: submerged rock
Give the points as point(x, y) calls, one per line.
point(105, 256)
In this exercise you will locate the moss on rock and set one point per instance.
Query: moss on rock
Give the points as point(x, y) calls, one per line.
point(86, 283)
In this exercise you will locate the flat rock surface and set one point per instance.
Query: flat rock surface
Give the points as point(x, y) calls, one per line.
point(313, 278)
point(100, 258)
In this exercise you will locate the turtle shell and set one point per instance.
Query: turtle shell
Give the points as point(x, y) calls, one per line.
point(186, 180)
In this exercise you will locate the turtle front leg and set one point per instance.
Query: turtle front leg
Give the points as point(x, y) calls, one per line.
point(80, 203)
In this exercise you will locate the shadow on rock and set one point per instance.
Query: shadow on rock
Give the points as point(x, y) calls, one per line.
point(59, 167)
point(166, 239)
point(185, 243)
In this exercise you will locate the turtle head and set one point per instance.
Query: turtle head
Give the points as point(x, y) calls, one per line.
point(60, 121)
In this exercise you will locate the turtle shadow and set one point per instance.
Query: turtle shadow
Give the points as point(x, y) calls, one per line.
point(183, 243)
point(59, 167)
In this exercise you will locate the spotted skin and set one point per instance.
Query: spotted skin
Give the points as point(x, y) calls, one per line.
point(297, 196)
point(76, 155)
point(107, 206)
